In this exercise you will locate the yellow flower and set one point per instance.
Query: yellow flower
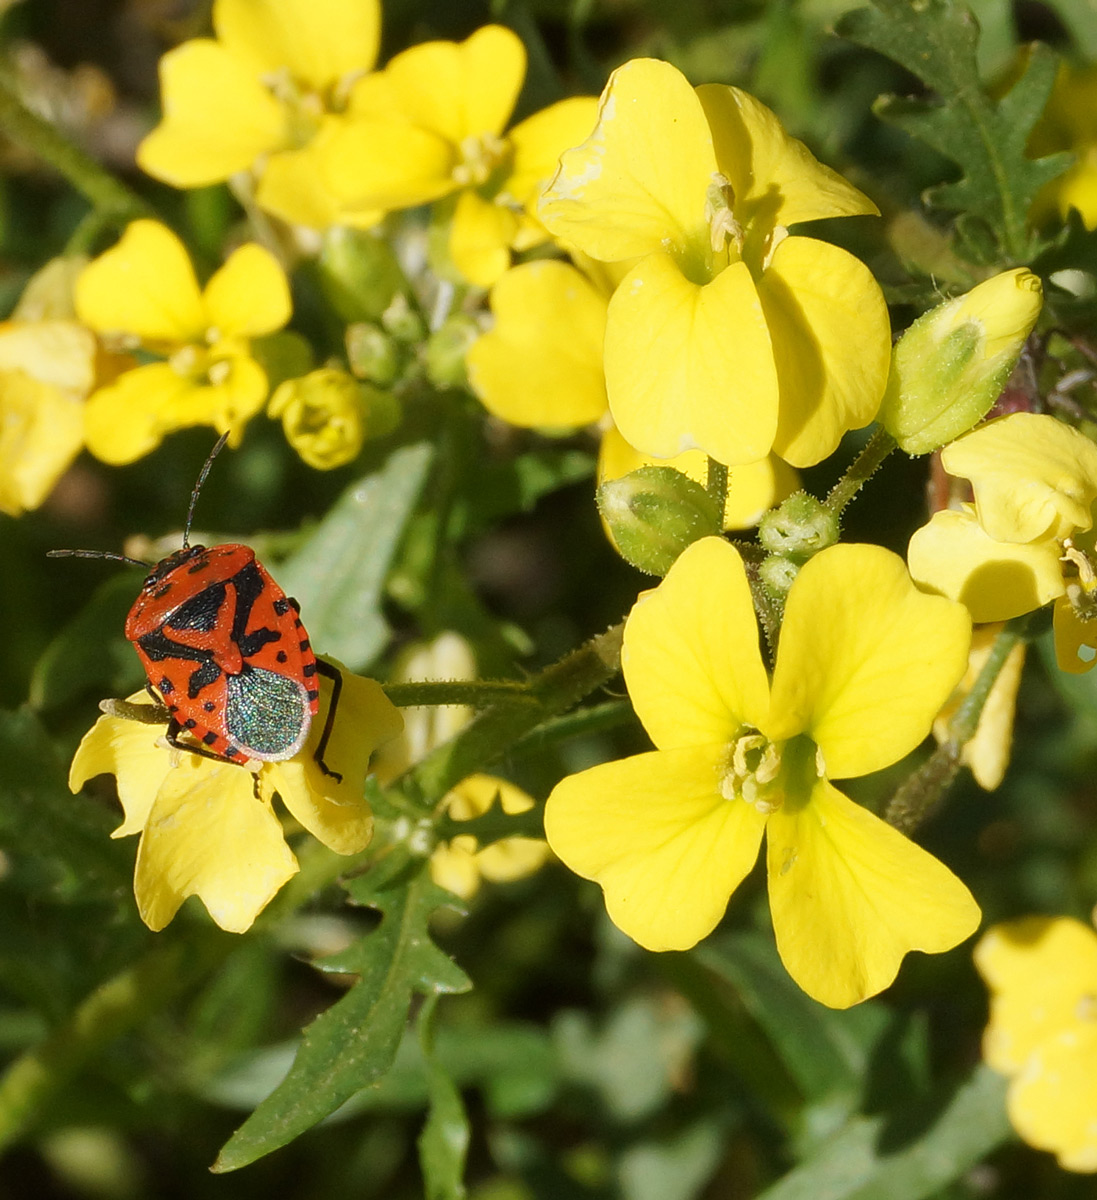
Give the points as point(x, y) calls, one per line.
point(208, 828)
point(431, 124)
point(729, 335)
point(47, 369)
point(1027, 539)
point(865, 661)
point(460, 865)
point(1042, 976)
point(264, 96)
point(1070, 123)
point(326, 415)
point(143, 292)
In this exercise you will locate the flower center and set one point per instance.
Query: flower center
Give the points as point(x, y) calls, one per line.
point(724, 229)
point(481, 154)
point(1082, 589)
point(304, 106)
point(752, 772)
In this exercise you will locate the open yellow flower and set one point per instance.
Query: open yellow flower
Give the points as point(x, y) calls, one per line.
point(540, 367)
point(431, 124)
point(865, 661)
point(143, 293)
point(264, 96)
point(1042, 976)
point(729, 335)
point(1028, 537)
point(208, 828)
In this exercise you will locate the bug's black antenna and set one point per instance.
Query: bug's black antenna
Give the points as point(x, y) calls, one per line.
point(198, 486)
point(133, 562)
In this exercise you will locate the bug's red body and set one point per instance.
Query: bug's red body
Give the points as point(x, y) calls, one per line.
point(225, 650)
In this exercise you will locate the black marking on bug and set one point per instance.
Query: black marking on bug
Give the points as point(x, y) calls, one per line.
point(209, 672)
point(282, 656)
point(209, 706)
point(166, 686)
point(231, 751)
point(201, 565)
point(189, 723)
point(281, 606)
point(308, 669)
point(163, 591)
point(306, 644)
point(173, 708)
point(201, 611)
point(266, 714)
point(312, 694)
point(249, 587)
point(209, 738)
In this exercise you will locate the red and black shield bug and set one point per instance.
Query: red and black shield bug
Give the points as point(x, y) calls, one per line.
point(224, 651)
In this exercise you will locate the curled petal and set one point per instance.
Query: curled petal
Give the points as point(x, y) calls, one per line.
point(775, 178)
point(818, 301)
point(143, 286)
point(218, 118)
point(541, 363)
point(691, 658)
point(209, 835)
point(850, 897)
point(1034, 477)
point(995, 580)
point(866, 660)
point(666, 847)
point(691, 366)
point(318, 41)
point(638, 184)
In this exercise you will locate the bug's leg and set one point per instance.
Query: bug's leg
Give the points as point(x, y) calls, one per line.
point(172, 739)
point(336, 678)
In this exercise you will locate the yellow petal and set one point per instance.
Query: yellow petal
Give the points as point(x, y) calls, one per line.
point(480, 238)
point(218, 118)
point(249, 295)
point(1039, 970)
point(1075, 639)
point(56, 352)
point(996, 580)
point(638, 183)
point(541, 363)
point(453, 866)
point(691, 658)
point(134, 754)
point(505, 860)
point(144, 286)
point(818, 301)
point(1053, 1102)
point(691, 367)
point(335, 812)
point(386, 163)
point(124, 422)
point(227, 405)
point(538, 141)
point(776, 179)
point(210, 836)
point(851, 896)
point(41, 432)
point(666, 847)
point(866, 660)
point(1033, 476)
point(320, 41)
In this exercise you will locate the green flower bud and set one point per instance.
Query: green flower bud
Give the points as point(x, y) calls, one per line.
point(446, 350)
point(359, 274)
point(654, 513)
point(778, 574)
point(372, 353)
point(403, 322)
point(953, 362)
point(798, 528)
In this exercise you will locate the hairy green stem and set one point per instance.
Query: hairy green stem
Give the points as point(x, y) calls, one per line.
point(107, 193)
point(860, 471)
point(916, 798)
point(478, 693)
point(716, 484)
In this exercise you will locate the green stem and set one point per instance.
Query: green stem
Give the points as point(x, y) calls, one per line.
point(596, 718)
point(860, 471)
point(716, 484)
point(924, 789)
point(116, 1006)
point(108, 194)
point(478, 693)
point(555, 690)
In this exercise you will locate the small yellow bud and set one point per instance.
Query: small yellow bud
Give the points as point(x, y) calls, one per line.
point(953, 362)
point(654, 513)
point(328, 414)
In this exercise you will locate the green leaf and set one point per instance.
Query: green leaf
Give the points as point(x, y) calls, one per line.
point(354, 1042)
point(91, 652)
point(444, 1140)
point(937, 41)
point(882, 1158)
point(674, 1168)
point(338, 575)
point(516, 486)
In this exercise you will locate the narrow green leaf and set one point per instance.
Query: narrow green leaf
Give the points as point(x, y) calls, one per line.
point(444, 1140)
point(354, 1042)
point(881, 1158)
point(937, 40)
point(338, 575)
point(826, 1052)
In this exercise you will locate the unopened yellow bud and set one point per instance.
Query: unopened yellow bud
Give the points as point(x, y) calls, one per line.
point(328, 414)
point(654, 513)
point(951, 365)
